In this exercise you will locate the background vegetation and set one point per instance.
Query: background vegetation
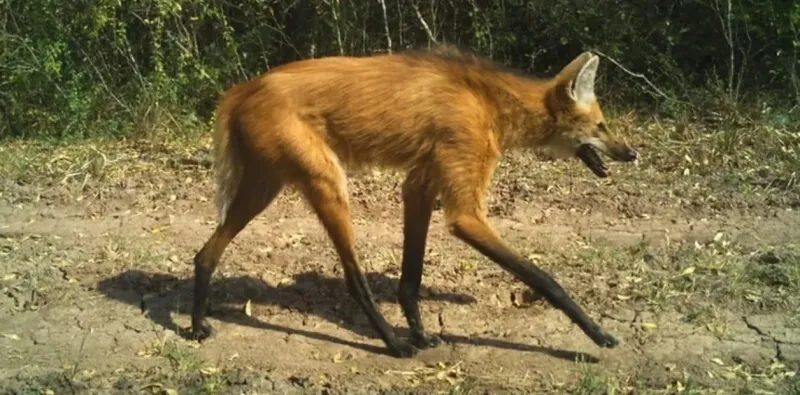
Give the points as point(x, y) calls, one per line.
point(106, 195)
point(111, 67)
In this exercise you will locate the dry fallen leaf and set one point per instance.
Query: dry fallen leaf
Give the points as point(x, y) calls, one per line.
point(209, 370)
point(159, 229)
point(248, 309)
point(753, 298)
point(649, 326)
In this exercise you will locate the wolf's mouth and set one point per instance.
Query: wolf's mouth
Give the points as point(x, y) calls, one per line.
point(588, 154)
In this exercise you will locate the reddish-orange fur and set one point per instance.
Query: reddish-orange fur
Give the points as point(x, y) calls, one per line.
point(444, 117)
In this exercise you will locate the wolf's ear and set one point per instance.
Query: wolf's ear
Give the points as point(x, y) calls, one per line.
point(578, 77)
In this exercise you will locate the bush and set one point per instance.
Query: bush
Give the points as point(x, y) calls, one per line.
point(72, 69)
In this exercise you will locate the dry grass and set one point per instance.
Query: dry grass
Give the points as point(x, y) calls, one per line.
point(690, 276)
point(752, 159)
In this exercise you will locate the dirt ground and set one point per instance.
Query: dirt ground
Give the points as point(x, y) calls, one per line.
point(695, 271)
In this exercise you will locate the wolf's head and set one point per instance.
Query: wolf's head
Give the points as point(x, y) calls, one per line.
point(579, 128)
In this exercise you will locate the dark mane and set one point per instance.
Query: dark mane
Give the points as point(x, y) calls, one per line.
point(462, 56)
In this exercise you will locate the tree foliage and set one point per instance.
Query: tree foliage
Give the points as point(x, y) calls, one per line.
point(78, 67)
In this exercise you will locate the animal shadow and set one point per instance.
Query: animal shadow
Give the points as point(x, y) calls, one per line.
point(309, 293)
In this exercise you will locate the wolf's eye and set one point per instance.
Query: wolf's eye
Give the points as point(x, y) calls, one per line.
point(602, 126)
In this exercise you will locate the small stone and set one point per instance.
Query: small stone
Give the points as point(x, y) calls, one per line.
point(622, 315)
point(524, 297)
point(751, 355)
point(790, 354)
point(770, 258)
point(40, 337)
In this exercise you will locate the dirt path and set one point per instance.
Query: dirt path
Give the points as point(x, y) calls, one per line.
point(97, 290)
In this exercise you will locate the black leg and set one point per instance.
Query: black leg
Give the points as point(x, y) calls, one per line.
point(331, 206)
point(203, 270)
point(249, 202)
point(475, 232)
point(417, 208)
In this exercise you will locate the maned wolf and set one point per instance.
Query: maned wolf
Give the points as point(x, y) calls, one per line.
point(442, 116)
